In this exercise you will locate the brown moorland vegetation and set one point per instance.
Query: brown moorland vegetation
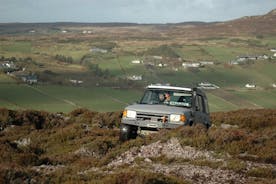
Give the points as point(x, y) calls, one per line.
point(42, 147)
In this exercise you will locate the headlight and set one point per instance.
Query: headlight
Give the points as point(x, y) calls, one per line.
point(177, 118)
point(129, 114)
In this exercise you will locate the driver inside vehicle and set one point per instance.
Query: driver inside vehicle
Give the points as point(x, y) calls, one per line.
point(167, 98)
point(161, 97)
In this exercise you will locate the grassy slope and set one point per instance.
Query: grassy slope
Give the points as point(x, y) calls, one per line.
point(65, 99)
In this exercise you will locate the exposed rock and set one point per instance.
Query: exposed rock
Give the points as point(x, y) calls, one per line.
point(148, 160)
point(200, 174)
point(23, 142)
point(84, 152)
point(47, 169)
point(171, 149)
point(228, 126)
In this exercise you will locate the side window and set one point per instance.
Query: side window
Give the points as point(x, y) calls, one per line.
point(199, 103)
point(206, 105)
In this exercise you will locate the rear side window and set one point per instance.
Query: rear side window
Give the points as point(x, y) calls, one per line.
point(202, 104)
point(199, 103)
point(206, 105)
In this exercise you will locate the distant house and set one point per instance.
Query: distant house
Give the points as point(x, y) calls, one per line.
point(191, 65)
point(32, 31)
point(136, 62)
point(8, 66)
point(158, 57)
point(273, 49)
point(250, 86)
point(206, 62)
point(135, 77)
point(175, 69)
point(234, 62)
point(30, 79)
point(274, 85)
point(99, 50)
point(207, 85)
point(253, 57)
point(63, 31)
point(161, 65)
point(73, 81)
point(242, 58)
point(263, 56)
point(86, 32)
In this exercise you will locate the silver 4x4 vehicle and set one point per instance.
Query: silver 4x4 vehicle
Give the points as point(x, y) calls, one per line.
point(165, 107)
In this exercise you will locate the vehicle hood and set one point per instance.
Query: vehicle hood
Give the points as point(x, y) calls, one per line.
point(158, 109)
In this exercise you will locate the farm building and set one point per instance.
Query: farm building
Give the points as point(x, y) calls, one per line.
point(136, 62)
point(250, 86)
point(157, 57)
point(234, 62)
point(263, 56)
point(207, 85)
point(135, 77)
point(73, 81)
point(273, 49)
point(191, 65)
point(98, 50)
point(206, 62)
point(30, 79)
point(162, 65)
point(8, 66)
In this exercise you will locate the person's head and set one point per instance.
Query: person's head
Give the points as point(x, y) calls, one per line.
point(167, 96)
point(161, 97)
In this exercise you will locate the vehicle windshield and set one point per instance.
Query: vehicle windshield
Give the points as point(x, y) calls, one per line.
point(167, 97)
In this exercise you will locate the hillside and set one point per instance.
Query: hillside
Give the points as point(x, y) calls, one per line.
point(83, 146)
point(87, 65)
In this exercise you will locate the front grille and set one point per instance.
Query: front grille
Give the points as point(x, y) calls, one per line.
point(152, 117)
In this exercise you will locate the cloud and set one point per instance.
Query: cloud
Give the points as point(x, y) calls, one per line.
point(147, 11)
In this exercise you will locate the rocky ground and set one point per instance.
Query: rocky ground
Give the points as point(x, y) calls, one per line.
point(83, 146)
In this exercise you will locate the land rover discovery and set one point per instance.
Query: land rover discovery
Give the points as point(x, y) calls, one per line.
point(165, 107)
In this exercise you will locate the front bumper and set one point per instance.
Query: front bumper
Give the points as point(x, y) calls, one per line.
point(151, 124)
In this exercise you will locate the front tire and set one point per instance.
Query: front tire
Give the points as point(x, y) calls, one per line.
point(127, 132)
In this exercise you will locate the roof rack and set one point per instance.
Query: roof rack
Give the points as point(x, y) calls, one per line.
point(159, 86)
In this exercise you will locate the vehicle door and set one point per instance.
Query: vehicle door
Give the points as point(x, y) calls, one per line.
point(200, 115)
point(206, 113)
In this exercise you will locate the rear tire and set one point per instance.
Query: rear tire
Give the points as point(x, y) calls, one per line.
point(127, 132)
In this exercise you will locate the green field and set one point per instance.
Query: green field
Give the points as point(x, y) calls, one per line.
point(55, 98)
point(98, 71)
point(61, 98)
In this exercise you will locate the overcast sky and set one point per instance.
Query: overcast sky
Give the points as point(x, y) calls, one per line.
point(136, 11)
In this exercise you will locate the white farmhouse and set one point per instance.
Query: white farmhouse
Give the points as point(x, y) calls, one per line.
point(158, 57)
point(136, 62)
point(273, 50)
point(135, 77)
point(74, 81)
point(206, 62)
point(191, 65)
point(250, 86)
point(207, 85)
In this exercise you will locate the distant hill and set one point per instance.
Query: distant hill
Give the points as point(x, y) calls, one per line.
point(263, 24)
